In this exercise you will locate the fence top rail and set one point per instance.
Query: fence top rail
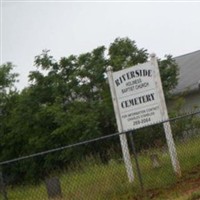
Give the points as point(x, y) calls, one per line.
point(92, 140)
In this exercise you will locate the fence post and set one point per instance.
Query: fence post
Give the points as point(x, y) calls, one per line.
point(136, 160)
point(3, 186)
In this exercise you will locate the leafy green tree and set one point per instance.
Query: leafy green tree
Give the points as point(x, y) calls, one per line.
point(169, 72)
point(7, 78)
point(8, 95)
point(124, 53)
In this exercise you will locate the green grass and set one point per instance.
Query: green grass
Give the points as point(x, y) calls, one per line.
point(100, 182)
point(188, 153)
point(194, 196)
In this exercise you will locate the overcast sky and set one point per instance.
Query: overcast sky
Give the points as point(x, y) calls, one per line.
point(67, 28)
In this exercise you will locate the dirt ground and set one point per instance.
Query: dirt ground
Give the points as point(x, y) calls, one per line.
point(186, 188)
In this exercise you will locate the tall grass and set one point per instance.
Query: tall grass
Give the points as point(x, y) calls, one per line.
point(99, 181)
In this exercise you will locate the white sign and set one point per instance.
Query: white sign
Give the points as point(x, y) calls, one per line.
point(137, 96)
point(139, 101)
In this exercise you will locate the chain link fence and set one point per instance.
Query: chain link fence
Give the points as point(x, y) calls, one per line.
point(80, 172)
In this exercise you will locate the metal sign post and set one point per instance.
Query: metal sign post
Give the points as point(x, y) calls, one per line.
point(167, 127)
point(123, 139)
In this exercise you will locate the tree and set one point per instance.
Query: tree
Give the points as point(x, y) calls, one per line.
point(7, 79)
point(7, 89)
point(124, 53)
point(8, 96)
point(169, 72)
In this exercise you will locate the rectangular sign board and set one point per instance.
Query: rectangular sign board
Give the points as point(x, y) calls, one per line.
point(139, 101)
point(137, 96)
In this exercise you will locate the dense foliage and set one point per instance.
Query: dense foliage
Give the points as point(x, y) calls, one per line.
point(68, 103)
